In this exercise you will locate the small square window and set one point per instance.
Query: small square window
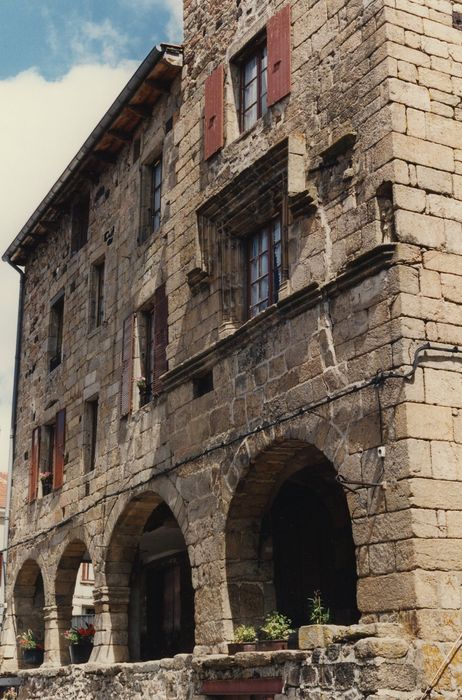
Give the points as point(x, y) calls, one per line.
point(264, 267)
point(253, 87)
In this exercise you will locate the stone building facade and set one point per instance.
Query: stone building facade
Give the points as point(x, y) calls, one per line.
point(240, 359)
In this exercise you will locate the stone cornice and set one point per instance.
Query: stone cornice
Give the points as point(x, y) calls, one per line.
point(366, 265)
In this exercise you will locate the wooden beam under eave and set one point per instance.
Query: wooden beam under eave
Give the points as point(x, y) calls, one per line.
point(161, 86)
point(120, 135)
point(51, 226)
point(104, 157)
point(142, 111)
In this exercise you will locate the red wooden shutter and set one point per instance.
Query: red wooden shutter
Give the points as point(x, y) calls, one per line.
point(214, 112)
point(34, 464)
point(60, 444)
point(126, 385)
point(278, 31)
point(160, 338)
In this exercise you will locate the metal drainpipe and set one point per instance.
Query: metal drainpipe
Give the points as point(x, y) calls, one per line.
point(17, 359)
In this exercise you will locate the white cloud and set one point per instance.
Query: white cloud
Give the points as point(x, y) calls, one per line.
point(174, 9)
point(93, 41)
point(42, 126)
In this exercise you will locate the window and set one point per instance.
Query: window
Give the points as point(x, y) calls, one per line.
point(264, 256)
point(47, 457)
point(79, 222)
point(156, 192)
point(91, 434)
point(87, 576)
point(56, 333)
point(151, 199)
point(97, 296)
point(153, 340)
point(254, 87)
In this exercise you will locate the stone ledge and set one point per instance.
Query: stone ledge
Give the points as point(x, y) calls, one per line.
point(319, 636)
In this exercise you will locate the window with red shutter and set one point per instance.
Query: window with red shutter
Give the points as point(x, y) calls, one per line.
point(152, 335)
point(278, 30)
point(214, 112)
point(126, 384)
point(34, 464)
point(60, 444)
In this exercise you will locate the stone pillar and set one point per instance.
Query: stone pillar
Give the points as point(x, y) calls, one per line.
point(212, 612)
point(57, 621)
point(111, 623)
point(9, 646)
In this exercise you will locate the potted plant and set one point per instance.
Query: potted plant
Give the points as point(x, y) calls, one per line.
point(245, 639)
point(46, 479)
point(274, 633)
point(80, 643)
point(319, 614)
point(32, 650)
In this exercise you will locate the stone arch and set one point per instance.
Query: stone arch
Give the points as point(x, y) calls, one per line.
point(286, 487)
point(147, 561)
point(161, 490)
point(72, 555)
point(28, 604)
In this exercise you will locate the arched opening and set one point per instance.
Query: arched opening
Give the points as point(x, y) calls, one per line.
point(148, 556)
point(288, 536)
point(29, 600)
point(74, 594)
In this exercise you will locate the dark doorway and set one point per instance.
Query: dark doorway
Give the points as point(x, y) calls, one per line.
point(313, 547)
point(162, 596)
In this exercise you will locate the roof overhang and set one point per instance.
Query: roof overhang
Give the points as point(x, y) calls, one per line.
point(135, 103)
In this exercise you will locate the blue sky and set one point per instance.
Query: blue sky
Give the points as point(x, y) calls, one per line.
point(54, 35)
point(62, 64)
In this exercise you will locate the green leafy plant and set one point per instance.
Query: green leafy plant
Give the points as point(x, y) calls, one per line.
point(276, 626)
point(319, 614)
point(28, 640)
point(245, 633)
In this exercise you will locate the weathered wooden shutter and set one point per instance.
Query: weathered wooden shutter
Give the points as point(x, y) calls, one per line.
point(34, 464)
point(160, 338)
point(214, 112)
point(126, 384)
point(60, 446)
point(278, 31)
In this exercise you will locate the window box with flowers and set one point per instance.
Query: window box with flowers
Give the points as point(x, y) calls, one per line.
point(80, 643)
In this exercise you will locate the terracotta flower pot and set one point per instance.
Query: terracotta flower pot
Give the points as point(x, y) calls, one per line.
point(33, 657)
point(80, 653)
point(235, 647)
point(272, 644)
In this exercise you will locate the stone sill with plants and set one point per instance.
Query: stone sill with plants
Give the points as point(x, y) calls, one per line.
point(276, 633)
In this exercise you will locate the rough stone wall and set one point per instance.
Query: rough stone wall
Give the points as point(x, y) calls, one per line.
point(386, 667)
point(362, 71)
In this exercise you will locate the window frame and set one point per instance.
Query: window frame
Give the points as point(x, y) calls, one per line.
point(80, 222)
point(97, 295)
point(259, 50)
point(91, 423)
point(155, 167)
point(273, 294)
point(56, 333)
point(150, 218)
